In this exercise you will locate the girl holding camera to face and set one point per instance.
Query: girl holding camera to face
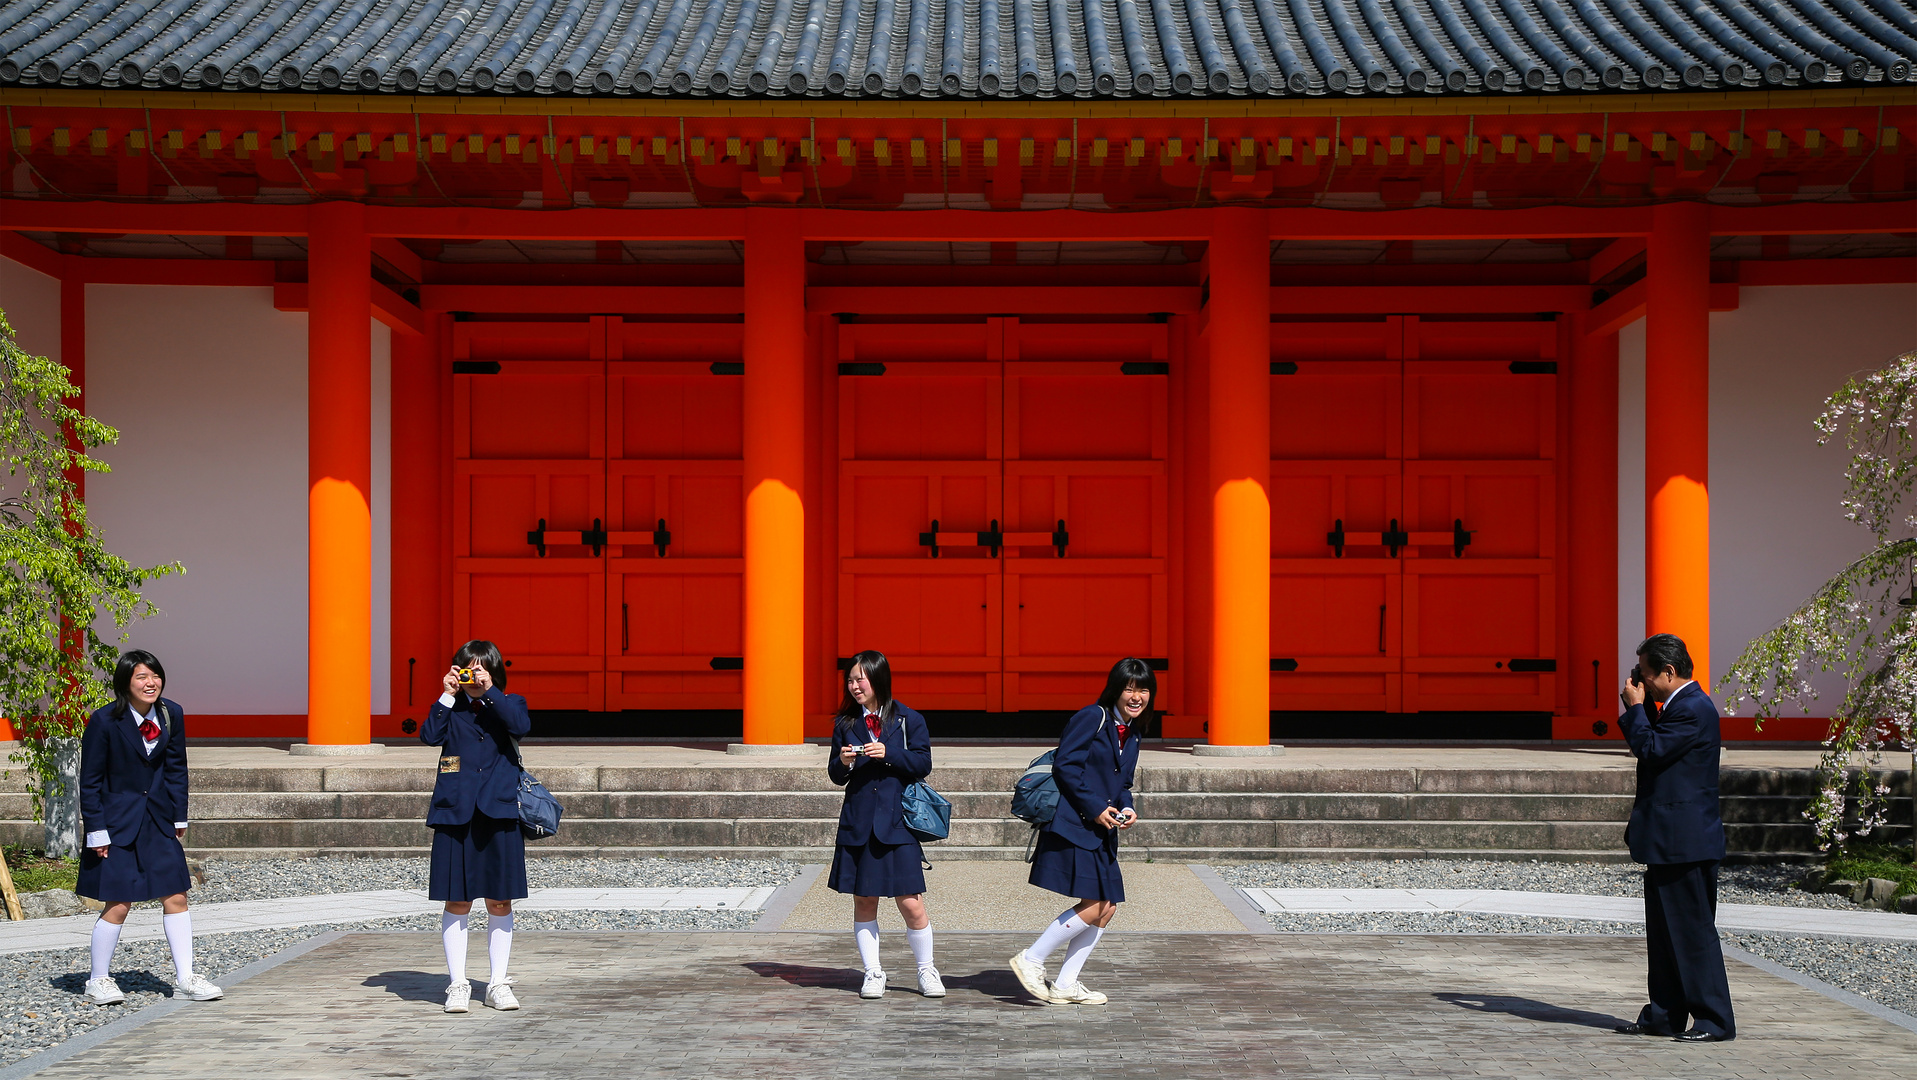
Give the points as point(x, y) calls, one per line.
point(1077, 851)
point(133, 809)
point(879, 747)
point(477, 847)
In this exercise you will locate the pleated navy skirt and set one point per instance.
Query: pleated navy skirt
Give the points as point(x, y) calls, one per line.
point(151, 866)
point(875, 869)
point(482, 859)
point(1064, 867)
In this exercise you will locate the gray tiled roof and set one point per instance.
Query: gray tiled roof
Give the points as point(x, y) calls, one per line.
point(966, 49)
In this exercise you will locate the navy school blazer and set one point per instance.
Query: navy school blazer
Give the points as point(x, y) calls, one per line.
point(874, 790)
point(1676, 817)
point(476, 770)
point(1093, 772)
point(120, 783)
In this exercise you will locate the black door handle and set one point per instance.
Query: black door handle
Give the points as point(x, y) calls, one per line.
point(1381, 624)
point(625, 627)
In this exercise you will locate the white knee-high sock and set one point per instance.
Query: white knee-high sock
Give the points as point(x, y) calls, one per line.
point(1063, 929)
point(499, 945)
point(179, 938)
point(1075, 955)
point(452, 934)
point(921, 946)
point(106, 936)
point(867, 935)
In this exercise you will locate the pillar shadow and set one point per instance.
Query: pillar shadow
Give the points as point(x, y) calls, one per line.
point(1531, 1009)
point(418, 986)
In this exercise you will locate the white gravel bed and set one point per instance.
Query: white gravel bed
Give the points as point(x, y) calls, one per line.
point(266, 879)
point(1736, 884)
point(1883, 971)
point(41, 1006)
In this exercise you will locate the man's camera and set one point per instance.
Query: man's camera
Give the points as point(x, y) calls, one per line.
point(1636, 678)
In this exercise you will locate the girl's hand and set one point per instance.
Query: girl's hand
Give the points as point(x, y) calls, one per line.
point(875, 751)
point(482, 679)
point(1127, 818)
point(849, 754)
point(1109, 817)
point(450, 680)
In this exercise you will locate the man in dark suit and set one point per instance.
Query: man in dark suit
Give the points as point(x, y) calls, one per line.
point(1677, 831)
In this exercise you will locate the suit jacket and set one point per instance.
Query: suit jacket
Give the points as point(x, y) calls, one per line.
point(1093, 772)
point(1676, 818)
point(874, 789)
point(121, 784)
point(476, 770)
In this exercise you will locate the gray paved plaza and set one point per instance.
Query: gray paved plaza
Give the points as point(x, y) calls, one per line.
point(745, 1006)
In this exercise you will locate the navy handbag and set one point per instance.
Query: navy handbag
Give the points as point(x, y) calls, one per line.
point(927, 815)
point(539, 812)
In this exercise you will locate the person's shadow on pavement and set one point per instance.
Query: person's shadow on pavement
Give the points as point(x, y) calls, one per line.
point(831, 978)
point(1530, 1009)
point(415, 985)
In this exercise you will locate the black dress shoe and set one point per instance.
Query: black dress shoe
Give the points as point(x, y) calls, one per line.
point(1700, 1035)
point(1639, 1029)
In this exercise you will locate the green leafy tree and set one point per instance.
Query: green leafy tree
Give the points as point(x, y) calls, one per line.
point(59, 583)
point(1862, 623)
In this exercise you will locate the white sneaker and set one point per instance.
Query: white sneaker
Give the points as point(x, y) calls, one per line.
point(196, 988)
point(874, 985)
point(1076, 994)
point(459, 996)
point(1031, 976)
point(929, 982)
point(499, 996)
point(104, 991)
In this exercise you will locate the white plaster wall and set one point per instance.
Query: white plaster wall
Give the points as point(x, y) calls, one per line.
point(1776, 530)
point(32, 303)
point(208, 389)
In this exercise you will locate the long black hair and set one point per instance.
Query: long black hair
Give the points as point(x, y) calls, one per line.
point(878, 672)
point(123, 675)
point(1128, 672)
point(486, 655)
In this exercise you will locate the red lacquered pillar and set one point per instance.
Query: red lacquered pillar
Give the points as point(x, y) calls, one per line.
point(774, 349)
point(1677, 367)
point(1239, 394)
point(339, 389)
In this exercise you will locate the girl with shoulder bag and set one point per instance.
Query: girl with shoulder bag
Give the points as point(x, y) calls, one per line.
point(1077, 851)
point(878, 747)
point(478, 850)
point(133, 786)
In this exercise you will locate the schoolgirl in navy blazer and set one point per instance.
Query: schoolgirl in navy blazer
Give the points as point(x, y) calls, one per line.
point(478, 850)
point(875, 786)
point(879, 747)
point(133, 791)
point(1094, 772)
point(1076, 853)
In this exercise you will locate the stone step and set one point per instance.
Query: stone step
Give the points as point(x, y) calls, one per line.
point(210, 806)
point(941, 853)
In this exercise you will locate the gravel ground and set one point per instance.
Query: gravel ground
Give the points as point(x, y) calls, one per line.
point(1754, 884)
point(265, 879)
point(1883, 971)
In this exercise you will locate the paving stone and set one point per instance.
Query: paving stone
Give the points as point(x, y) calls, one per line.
point(743, 1006)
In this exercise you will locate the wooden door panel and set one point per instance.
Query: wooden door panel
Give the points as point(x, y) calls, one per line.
point(675, 517)
point(1468, 619)
point(1068, 620)
point(1509, 508)
point(1336, 629)
point(1337, 409)
point(920, 444)
point(1478, 411)
point(546, 618)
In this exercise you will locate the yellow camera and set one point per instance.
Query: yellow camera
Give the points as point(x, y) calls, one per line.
point(466, 676)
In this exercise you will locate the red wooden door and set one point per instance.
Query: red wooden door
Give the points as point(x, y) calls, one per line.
point(1414, 510)
point(529, 447)
point(1002, 505)
point(920, 424)
point(1336, 488)
point(675, 558)
point(1480, 448)
point(1085, 463)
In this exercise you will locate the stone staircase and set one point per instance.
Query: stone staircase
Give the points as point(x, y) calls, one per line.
point(1190, 813)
